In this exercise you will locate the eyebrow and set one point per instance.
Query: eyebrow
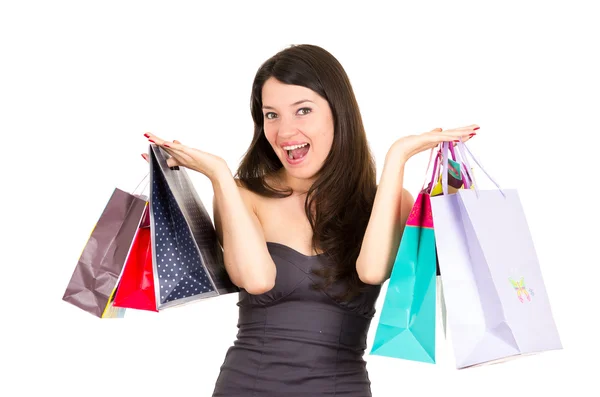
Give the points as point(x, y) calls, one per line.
point(293, 104)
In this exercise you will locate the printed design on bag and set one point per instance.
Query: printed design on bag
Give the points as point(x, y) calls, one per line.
point(522, 291)
point(454, 169)
point(420, 214)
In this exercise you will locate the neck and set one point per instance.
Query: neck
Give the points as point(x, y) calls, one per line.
point(300, 186)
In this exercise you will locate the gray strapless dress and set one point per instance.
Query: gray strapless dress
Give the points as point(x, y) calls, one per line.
point(298, 341)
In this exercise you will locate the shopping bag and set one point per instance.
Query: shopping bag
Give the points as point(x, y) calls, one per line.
point(112, 311)
point(92, 284)
point(406, 327)
point(456, 173)
point(187, 256)
point(136, 285)
point(488, 263)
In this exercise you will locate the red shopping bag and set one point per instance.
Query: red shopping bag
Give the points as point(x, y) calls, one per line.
point(136, 287)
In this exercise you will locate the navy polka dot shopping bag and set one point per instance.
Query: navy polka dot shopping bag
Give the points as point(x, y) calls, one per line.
point(187, 256)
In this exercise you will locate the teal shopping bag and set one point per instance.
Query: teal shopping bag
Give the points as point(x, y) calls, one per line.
point(406, 327)
point(407, 323)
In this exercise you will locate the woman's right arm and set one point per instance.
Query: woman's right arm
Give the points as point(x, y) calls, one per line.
point(246, 256)
point(247, 259)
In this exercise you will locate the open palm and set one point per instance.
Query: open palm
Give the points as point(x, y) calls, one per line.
point(413, 144)
point(185, 156)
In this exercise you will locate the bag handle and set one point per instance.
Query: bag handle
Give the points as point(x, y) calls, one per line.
point(435, 173)
point(135, 191)
point(447, 146)
point(445, 168)
point(435, 165)
point(465, 168)
point(466, 177)
point(463, 150)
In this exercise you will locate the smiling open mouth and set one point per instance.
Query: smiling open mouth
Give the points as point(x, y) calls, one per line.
point(296, 154)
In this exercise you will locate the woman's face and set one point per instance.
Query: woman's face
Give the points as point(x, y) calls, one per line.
point(297, 116)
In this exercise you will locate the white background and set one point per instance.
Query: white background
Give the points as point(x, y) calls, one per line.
point(80, 82)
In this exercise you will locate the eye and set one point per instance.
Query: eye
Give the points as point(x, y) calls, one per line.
point(270, 115)
point(304, 111)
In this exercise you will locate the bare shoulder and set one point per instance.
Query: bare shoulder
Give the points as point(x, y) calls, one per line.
point(254, 200)
point(249, 197)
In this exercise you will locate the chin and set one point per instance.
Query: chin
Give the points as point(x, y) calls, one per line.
point(301, 173)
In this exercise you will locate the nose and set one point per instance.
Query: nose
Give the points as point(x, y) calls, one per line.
point(287, 127)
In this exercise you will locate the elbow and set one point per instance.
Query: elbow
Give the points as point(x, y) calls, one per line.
point(369, 274)
point(371, 278)
point(257, 287)
point(254, 278)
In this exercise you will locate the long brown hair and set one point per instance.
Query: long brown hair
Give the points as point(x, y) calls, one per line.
point(343, 193)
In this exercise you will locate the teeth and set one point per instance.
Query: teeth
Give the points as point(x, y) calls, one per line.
point(294, 146)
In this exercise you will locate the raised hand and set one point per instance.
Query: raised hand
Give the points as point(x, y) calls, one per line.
point(410, 145)
point(185, 156)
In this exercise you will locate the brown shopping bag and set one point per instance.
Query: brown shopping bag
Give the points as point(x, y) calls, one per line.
point(92, 285)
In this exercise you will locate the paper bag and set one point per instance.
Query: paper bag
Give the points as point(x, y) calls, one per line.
point(496, 301)
point(94, 279)
point(187, 256)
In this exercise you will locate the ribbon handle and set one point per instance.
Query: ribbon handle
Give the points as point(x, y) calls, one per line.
point(139, 192)
point(468, 179)
point(435, 166)
point(463, 149)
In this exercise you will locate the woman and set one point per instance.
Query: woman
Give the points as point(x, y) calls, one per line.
point(307, 234)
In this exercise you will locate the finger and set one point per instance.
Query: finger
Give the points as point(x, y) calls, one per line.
point(155, 139)
point(463, 130)
point(171, 162)
point(463, 139)
point(464, 134)
point(179, 154)
point(174, 146)
point(449, 137)
point(472, 128)
point(466, 138)
point(468, 127)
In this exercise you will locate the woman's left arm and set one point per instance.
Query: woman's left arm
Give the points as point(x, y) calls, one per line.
point(391, 208)
point(393, 203)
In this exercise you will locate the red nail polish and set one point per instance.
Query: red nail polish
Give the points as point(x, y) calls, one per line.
point(165, 145)
point(151, 140)
point(476, 128)
point(456, 140)
point(144, 156)
point(146, 135)
point(472, 134)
